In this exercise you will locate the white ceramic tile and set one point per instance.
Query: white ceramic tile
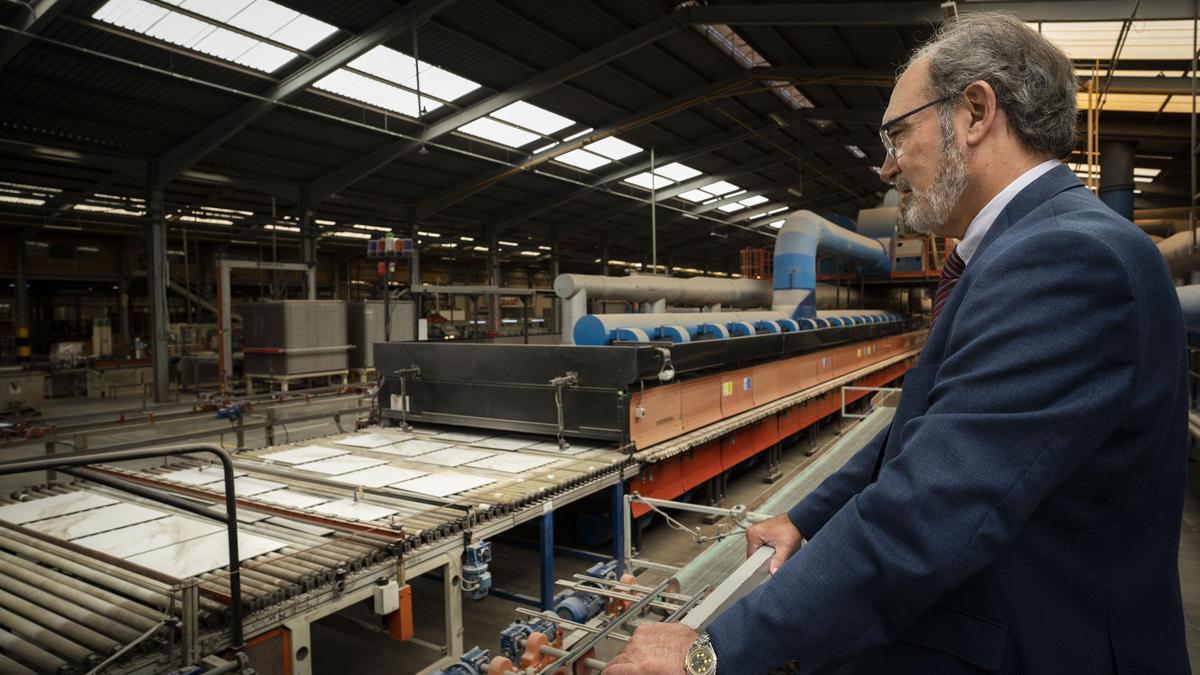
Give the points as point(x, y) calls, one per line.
point(511, 462)
point(49, 507)
point(291, 498)
point(506, 442)
point(461, 436)
point(203, 554)
point(340, 465)
point(199, 475)
point(93, 521)
point(443, 484)
point(378, 476)
point(300, 526)
point(249, 487)
point(413, 447)
point(309, 453)
point(349, 509)
point(366, 441)
point(149, 535)
point(574, 447)
point(453, 456)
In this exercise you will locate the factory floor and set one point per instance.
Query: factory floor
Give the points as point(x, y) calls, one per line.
point(347, 649)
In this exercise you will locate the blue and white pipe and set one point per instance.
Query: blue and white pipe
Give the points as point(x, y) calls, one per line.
point(802, 236)
point(601, 329)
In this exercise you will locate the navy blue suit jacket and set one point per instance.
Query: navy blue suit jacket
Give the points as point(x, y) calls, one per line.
point(1022, 512)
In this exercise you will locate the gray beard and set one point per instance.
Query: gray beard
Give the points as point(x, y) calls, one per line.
point(927, 211)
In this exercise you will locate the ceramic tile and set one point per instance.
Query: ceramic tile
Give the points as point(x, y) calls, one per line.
point(443, 484)
point(203, 554)
point(55, 505)
point(150, 535)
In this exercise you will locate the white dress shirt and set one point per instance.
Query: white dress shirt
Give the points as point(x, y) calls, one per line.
point(982, 222)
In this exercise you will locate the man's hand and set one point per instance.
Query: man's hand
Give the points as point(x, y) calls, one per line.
point(777, 532)
point(656, 649)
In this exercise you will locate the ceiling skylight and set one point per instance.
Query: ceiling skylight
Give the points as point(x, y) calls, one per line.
point(730, 208)
point(380, 94)
point(676, 171)
point(1147, 40)
point(582, 159)
point(613, 148)
point(753, 201)
point(498, 132)
point(649, 181)
point(532, 117)
point(696, 196)
point(401, 69)
point(776, 224)
point(720, 187)
point(262, 18)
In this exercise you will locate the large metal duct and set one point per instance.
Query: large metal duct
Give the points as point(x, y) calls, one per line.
point(577, 289)
point(802, 236)
point(1177, 252)
point(1189, 300)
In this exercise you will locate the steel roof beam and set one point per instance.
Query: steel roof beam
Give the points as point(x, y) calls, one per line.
point(39, 14)
point(925, 13)
point(187, 153)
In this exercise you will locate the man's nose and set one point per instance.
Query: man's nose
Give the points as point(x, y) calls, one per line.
point(887, 172)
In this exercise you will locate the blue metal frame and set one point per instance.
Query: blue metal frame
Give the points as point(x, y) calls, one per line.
point(547, 555)
point(618, 526)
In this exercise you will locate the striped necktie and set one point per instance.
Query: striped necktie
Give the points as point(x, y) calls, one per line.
point(951, 271)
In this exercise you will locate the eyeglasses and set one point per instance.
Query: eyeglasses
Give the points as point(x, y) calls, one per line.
point(885, 133)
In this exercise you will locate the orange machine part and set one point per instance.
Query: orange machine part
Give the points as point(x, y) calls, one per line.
point(400, 622)
point(285, 648)
point(672, 477)
point(500, 665)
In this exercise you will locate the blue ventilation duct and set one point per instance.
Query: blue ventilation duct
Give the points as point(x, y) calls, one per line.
point(802, 236)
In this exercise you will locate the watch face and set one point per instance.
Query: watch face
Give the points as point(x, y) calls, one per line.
point(700, 661)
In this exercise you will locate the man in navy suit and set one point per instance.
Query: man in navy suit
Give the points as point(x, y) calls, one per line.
point(1022, 512)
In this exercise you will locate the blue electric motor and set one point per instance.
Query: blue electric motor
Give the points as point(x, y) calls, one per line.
point(477, 580)
point(579, 606)
point(474, 662)
point(519, 631)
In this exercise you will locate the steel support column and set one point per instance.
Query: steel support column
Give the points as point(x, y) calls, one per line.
point(156, 287)
point(554, 272)
point(618, 524)
point(308, 230)
point(547, 558)
point(1116, 176)
point(493, 271)
point(21, 310)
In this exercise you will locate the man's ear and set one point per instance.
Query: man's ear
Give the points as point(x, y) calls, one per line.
point(981, 104)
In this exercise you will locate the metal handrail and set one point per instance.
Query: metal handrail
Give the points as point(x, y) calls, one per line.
point(68, 462)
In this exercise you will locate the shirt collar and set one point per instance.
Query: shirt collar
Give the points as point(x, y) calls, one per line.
point(982, 222)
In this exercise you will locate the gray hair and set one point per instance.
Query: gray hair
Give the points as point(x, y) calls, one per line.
point(1033, 79)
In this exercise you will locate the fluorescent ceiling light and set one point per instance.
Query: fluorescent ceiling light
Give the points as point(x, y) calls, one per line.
point(531, 254)
point(754, 201)
point(720, 187)
point(648, 181)
point(695, 195)
point(577, 134)
point(434, 235)
point(25, 201)
point(352, 235)
point(582, 159)
point(543, 247)
point(498, 132)
point(373, 92)
point(532, 117)
point(613, 147)
point(482, 249)
point(545, 147)
point(856, 151)
point(466, 238)
point(676, 171)
point(1142, 179)
point(778, 210)
point(507, 243)
point(375, 228)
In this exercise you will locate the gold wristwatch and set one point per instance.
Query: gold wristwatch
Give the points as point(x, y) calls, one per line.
point(701, 657)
